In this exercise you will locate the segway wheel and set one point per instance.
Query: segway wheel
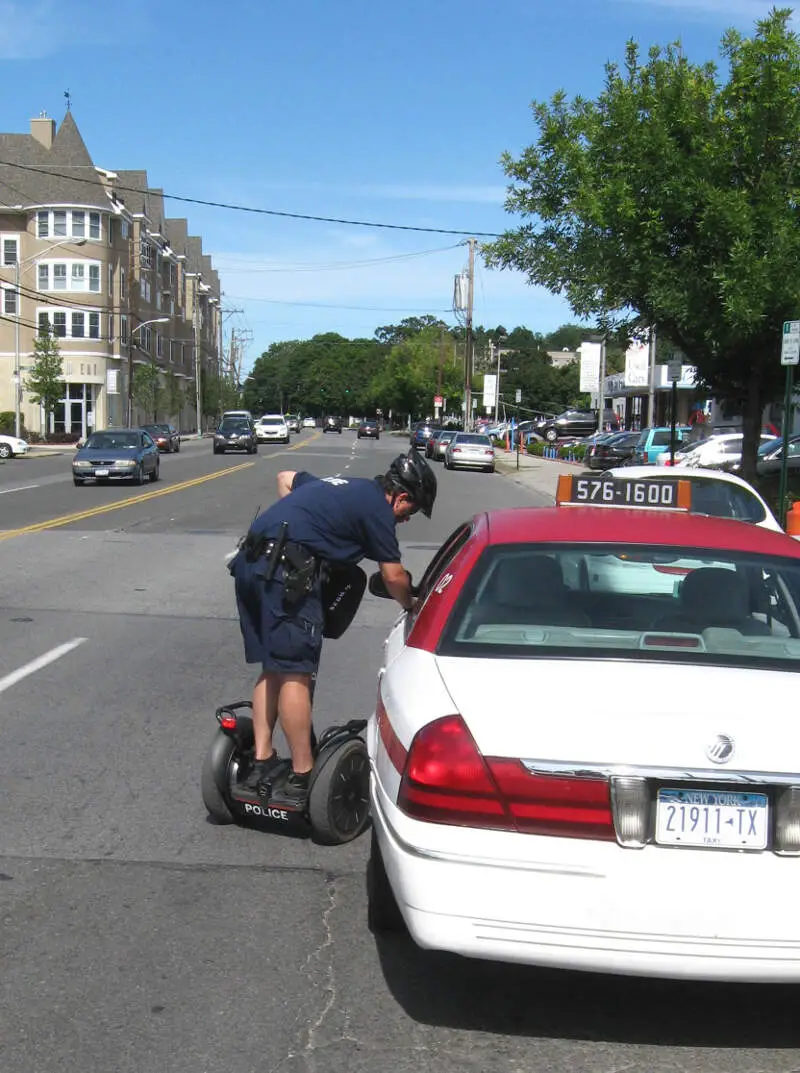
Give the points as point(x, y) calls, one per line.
point(213, 777)
point(383, 912)
point(338, 804)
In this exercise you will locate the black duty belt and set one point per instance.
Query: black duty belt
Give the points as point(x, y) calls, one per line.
point(300, 566)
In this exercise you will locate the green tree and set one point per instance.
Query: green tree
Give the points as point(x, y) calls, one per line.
point(45, 380)
point(671, 200)
point(147, 390)
point(174, 398)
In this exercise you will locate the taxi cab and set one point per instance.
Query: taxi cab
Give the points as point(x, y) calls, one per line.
point(652, 831)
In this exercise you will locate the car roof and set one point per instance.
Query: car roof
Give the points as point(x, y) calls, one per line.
point(274, 417)
point(637, 472)
point(615, 525)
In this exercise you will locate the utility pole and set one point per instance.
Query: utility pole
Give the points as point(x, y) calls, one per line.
point(196, 335)
point(469, 340)
point(651, 381)
point(601, 394)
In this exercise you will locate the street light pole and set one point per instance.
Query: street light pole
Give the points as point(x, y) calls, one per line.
point(138, 328)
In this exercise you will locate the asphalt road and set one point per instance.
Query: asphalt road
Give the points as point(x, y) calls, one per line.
point(137, 937)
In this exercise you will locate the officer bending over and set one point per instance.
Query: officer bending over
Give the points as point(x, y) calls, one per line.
point(277, 577)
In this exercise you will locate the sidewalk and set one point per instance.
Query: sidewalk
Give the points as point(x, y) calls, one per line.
point(537, 474)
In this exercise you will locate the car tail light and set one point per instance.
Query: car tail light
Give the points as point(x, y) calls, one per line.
point(668, 462)
point(630, 804)
point(787, 822)
point(395, 749)
point(447, 780)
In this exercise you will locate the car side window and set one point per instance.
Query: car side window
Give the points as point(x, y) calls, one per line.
point(438, 564)
point(148, 442)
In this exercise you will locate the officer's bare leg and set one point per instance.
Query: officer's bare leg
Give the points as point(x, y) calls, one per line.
point(295, 716)
point(265, 713)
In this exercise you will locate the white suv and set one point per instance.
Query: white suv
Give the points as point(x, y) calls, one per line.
point(272, 428)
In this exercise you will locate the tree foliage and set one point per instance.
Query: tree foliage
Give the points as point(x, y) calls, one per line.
point(45, 380)
point(147, 390)
point(672, 200)
point(174, 396)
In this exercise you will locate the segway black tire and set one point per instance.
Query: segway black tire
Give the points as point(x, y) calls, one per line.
point(383, 912)
point(213, 776)
point(338, 802)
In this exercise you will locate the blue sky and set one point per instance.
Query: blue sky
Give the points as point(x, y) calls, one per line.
point(394, 111)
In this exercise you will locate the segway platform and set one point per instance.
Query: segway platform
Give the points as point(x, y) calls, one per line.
point(338, 799)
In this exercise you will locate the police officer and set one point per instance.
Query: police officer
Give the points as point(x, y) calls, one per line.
point(277, 580)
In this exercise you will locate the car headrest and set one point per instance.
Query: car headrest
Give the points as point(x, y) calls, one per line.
point(714, 594)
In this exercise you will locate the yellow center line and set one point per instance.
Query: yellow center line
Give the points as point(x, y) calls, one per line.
point(67, 519)
point(314, 436)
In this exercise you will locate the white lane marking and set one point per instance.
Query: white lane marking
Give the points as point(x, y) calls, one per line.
point(40, 662)
point(19, 488)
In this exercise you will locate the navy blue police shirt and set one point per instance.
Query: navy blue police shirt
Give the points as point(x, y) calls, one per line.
point(341, 519)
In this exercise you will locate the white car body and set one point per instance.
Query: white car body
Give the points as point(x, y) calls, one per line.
point(11, 446)
point(715, 452)
point(309, 422)
point(272, 428)
point(617, 905)
point(469, 450)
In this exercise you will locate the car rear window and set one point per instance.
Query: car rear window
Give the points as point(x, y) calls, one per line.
point(467, 437)
point(629, 602)
point(272, 421)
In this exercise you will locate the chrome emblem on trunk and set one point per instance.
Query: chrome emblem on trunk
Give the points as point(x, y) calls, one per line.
point(721, 749)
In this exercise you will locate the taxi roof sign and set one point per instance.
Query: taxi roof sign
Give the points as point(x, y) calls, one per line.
point(642, 493)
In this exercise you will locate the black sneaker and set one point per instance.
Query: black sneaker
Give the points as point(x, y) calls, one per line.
point(293, 793)
point(259, 772)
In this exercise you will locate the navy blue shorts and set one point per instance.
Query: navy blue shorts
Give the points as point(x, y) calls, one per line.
point(283, 641)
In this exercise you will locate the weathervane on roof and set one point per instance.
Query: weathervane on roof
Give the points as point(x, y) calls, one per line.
point(68, 99)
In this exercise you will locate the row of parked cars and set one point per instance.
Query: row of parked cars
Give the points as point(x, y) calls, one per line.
point(457, 449)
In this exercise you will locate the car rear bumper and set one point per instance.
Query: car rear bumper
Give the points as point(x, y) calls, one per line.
point(471, 463)
point(673, 921)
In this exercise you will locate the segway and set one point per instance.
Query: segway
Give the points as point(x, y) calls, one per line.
point(337, 809)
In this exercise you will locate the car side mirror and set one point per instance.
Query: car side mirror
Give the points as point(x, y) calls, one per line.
point(377, 587)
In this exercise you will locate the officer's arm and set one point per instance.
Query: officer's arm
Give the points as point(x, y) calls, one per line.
point(285, 481)
point(396, 579)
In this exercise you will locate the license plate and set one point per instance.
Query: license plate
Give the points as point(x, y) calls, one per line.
point(713, 819)
point(101, 473)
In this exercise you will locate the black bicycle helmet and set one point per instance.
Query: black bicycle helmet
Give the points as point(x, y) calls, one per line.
point(411, 474)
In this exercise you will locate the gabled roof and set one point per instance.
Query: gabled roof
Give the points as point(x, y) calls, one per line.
point(66, 174)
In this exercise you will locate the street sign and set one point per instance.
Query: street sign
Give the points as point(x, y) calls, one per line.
point(790, 343)
point(437, 400)
point(489, 389)
point(674, 369)
point(518, 395)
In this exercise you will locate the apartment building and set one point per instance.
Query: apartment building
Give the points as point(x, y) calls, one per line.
point(88, 253)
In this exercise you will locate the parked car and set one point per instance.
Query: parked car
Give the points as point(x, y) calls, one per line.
point(573, 423)
point(293, 422)
point(770, 456)
point(11, 446)
point(369, 429)
point(431, 441)
point(717, 452)
point(440, 444)
point(272, 428)
point(166, 437)
point(332, 424)
point(654, 441)
point(613, 449)
point(469, 450)
point(599, 839)
point(309, 422)
point(117, 454)
point(422, 431)
point(235, 434)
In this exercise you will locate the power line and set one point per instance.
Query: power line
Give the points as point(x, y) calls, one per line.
point(252, 209)
point(246, 267)
point(325, 305)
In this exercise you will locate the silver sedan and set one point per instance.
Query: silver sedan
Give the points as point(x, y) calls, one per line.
point(470, 450)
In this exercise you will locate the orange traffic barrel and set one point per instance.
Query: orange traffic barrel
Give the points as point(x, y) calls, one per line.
point(793, 519)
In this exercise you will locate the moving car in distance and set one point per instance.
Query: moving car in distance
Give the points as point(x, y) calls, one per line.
point(599, 840)
point(309, 422)
point(332, 424)
point(235, 434)
point(166, 437)
point(116, 454)
point(369, 429)
point(272, 428)
point(293, 422)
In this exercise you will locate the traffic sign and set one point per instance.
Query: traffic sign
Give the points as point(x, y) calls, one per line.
point(674, 370)
point(437, 400)
point(518, 395)
point(790, 343)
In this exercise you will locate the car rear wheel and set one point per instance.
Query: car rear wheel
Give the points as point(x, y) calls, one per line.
point(383, 912)
point(155, 474)
point(551, 435)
